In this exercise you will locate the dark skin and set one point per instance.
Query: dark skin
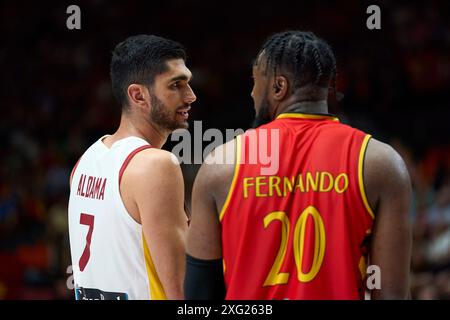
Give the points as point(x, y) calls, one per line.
point(386, 180)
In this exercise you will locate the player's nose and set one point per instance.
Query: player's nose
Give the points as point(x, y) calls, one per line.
point(190, 97)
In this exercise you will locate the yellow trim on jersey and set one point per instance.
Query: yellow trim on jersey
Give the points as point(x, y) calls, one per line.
point(362, 267)
point(156, 288)
point(361, 175)
point(233, 182)
point(306, 116)
point(364, 259)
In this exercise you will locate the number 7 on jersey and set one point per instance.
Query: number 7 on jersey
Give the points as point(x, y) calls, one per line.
point(88, 220)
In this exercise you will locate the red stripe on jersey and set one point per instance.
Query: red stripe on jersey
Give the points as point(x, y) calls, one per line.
point(73, 171)
point(128, 159)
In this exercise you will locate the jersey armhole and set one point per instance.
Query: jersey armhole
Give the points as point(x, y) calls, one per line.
point(128, 159)
point(362, 190)
point(235, 175)
point(73, 172)
point(124, 165)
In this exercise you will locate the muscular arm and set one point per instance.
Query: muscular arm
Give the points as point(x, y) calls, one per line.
point(208, 196)
point(204, 279)
point(388, 189)
point(203, 239)
point(156, 191)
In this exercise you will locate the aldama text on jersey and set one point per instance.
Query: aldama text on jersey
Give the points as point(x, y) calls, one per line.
point(93, 188)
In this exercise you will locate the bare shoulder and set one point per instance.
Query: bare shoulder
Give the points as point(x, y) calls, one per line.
point(389, 193)
point(221, 156)
point(208, 196)
point(382, 159)
point(215, 176)
point(154, 163)
point(218, 167)
point(384, 171)
point(152, 172)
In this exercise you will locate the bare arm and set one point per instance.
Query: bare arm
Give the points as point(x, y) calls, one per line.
point(389, 193)
point(157, 190)
point(208, 195)
point(204, 274)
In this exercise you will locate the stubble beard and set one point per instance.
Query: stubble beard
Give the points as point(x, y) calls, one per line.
point(163, 117)
point(263, 115)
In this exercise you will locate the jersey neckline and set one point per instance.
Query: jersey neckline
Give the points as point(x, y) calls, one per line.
point(309, 116)
point(118, 142)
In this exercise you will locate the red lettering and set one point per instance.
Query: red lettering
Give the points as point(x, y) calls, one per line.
point(80, 185)
point(97, 188)
point(91, 191)
point(89, 186)
point(94, 188)
point(102, 191)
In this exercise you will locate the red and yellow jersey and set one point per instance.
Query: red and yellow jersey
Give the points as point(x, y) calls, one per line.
point(299, 232)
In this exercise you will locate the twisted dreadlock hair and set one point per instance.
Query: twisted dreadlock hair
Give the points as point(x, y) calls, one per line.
point(308, 59)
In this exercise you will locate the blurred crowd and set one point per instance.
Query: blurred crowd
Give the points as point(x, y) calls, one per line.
point(55, 100)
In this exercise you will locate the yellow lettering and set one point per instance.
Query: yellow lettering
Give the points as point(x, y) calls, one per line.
point(299, 184)
point(288, 184)
point(322, 182)
point(268, 186)
point(247, 184)
point(311, 182)
point(344, 177)
point(275, 185)
point(260, 183)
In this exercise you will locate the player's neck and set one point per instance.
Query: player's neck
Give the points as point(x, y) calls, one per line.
point(315, 107)
point(142, 128)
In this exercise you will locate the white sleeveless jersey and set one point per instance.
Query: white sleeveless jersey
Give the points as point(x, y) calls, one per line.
point(110, 258)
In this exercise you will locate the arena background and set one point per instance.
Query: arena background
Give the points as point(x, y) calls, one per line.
point(56, 100)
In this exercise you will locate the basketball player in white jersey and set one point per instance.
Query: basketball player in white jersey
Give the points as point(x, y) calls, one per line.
point(127, 221)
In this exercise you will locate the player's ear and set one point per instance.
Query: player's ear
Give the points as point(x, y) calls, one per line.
point(138, 95)
point(280, 88)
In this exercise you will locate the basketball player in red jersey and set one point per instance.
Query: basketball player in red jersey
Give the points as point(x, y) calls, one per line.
point(127, 222)
point(338, 200)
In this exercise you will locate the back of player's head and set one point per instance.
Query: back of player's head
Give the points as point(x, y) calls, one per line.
point(139, 59)
point(306, 58)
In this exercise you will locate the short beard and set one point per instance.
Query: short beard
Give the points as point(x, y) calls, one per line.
point(161, 116)
point(263, 116)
